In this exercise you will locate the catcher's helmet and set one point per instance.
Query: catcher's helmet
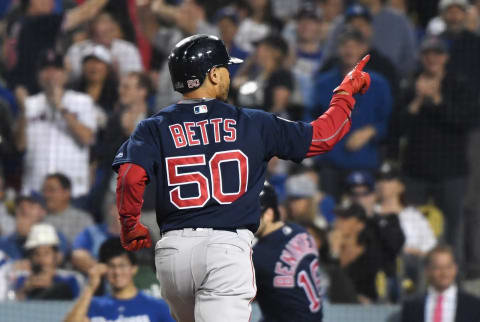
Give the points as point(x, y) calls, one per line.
point(193, 57)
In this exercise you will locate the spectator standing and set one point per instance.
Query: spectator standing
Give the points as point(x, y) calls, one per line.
point(444, 300)
point(360, 147)
point(125, 56)
point(57, 191)
point(440, 108)
point(36, 30)
point(393, 36)
point(125, 301)
point(45, 281)
point(55, 129)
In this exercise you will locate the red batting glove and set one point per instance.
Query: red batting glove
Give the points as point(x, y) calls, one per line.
point(134, 235)
point(357, 81)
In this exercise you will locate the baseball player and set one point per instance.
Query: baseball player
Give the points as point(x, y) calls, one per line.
point(285, 258)
point(208, 159)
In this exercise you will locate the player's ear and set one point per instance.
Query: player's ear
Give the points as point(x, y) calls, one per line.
point(214, 76)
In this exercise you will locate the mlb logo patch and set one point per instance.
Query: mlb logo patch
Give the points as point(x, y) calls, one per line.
point(200, 109)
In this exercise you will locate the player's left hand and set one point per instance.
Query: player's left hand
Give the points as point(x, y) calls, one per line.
point(134, 235)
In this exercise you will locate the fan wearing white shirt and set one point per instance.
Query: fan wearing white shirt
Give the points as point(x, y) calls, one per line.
point(55, 128)
point(444, 300)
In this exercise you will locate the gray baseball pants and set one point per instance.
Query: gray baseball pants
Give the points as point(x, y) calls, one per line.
point(206, 275)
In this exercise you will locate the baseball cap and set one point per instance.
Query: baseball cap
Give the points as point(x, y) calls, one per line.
point(227, 12)
point(433, 44)
point(274, 41)
point(360, 178)
point(98, 52)
point(42, 235)
point(357, 11)
point(49, 58)
point(33, 197)
point(300, 186)
point(351, 210)
point(445, 4)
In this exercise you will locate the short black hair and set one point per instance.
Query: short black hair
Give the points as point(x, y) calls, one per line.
point(111, 248)
point(63, 179)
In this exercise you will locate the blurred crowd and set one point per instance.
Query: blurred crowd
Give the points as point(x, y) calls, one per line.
point(77, 76)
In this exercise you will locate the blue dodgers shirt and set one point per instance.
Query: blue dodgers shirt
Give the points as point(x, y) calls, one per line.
point(288, 276)
point(209, 160)
point(141, 308)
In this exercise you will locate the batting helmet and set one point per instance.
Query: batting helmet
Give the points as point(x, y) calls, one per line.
point(268, 197)
point(193, 57)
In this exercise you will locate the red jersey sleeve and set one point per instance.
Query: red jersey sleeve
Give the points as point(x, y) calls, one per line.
point(332, 125)
point(131, 182)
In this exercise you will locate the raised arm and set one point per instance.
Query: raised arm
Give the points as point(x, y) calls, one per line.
point(80, 310)
point(332, 125)
point(82, 13)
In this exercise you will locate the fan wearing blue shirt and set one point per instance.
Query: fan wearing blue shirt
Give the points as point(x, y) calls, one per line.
point(125, 303)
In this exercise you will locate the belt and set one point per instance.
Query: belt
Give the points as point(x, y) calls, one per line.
point(233, 230)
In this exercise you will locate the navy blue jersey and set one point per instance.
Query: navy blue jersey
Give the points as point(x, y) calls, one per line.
point(288, 276)
point(209, 159)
